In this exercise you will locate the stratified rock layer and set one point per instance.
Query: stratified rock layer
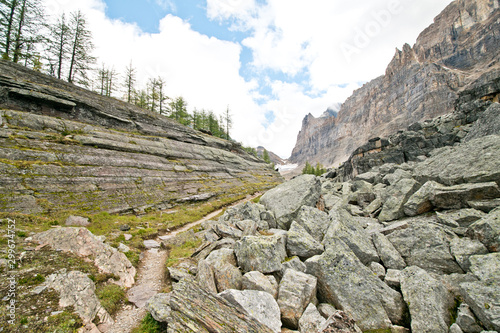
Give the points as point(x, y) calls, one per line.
point(63, 147)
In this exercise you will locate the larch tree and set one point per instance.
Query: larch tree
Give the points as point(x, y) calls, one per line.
point(130, 79)
point(228, 122)
point(20, 22)
point(58, 45)
point(81, 47)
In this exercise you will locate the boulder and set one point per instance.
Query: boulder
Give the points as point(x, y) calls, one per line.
point(205, 277)
point(396, 176)
point(83, 243)
point(159, 307)
point(286, 199)
point(482, 297)
point(296, 291)
point(293, 263)
point(311, 320)
point(300, 243)
point(326, 310)
point(339, 322)
point(227, 231)
point(78, 221)
point(227, 275)
point(264, 254)
point(420, 201)
point(463, 248)
point(196, 310)
point(345, 227)
point(76, 289)
point(377, 269)
point(245, 211)
point(314, 221)
point(486, 267)
point(466, 320)
point(428, 301)
point(258, 281)
point(487, 124)
point(393, 278)
point(258, 304)
point(349, 285)
point(426, 245)
point(479, 161)
point(455, 329)
point(396, 196)
point(487, 230)
point(457, 196)
point(390, 257)
point(462, 218)
point(140, 294)
point(484, 205)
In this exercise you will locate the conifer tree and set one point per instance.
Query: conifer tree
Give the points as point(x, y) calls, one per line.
point(130, 78)
point(81, 47)
point(58, 45)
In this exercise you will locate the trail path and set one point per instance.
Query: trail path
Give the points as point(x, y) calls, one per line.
point(150, 278)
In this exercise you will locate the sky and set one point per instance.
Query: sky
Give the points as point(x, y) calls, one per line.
point(271, 62)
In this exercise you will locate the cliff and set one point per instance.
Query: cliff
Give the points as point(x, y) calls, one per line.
point(421, 82)
point(64, 148)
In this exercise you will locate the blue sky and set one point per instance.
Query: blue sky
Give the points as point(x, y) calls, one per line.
point(271, 61)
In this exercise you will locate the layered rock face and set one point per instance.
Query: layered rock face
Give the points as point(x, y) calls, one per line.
point(63, 147)
point(421, 82)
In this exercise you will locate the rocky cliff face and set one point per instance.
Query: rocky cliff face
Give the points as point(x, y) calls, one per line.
point(421, 82)
point(63, 147)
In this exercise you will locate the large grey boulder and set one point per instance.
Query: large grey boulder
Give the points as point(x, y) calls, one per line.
point(479, 161)
point(466, 320)
point(314, 221)
point(462, 218)
point(311, 320)
point(349, 285)
point(487, 124)
point(264, 253)
point(296, 291)
point(395, 198)
point(482, 297)
point(78, 221)
point(458, 196)
point(387, 252)
point(426, 245)
point(196, 310)
point(258, 304)
point(205, 276)
point(246, 211)
point(300, 243)
point(258, 281)
point(463, 248)
point(76, 289)
point(159, 307)
point(428, 301)
point(286, 199)
point(487, 230)
point(226, 273)
point(345, 227)
point(486, 267)
point(85, 244)
point(420, 201)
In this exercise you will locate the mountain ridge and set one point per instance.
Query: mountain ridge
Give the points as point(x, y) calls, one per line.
point(420, 83)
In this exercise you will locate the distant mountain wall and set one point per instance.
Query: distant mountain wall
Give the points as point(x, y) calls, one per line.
point(66, 148)
point(421, 82)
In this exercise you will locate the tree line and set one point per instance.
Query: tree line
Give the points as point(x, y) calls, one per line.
point(62, 47)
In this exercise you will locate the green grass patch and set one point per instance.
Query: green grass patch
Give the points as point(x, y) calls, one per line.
point(150, 325)
point(112, 297)
point(177, 253)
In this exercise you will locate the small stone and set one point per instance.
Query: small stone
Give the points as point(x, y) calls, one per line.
point(77, 221)
point(378, 270)
point(326, 310)
point(123, 248)
point(124, 227)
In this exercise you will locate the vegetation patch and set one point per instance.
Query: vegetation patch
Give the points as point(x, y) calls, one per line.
point(112, 297)
point(177, 253)
point(150, 325)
